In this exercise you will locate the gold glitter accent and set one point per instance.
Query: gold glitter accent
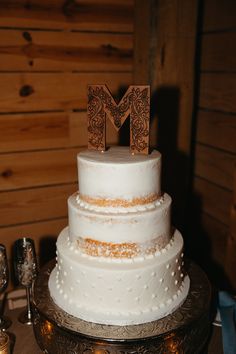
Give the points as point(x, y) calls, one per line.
point(107, 249)
point(119, 202)
point(118, 250)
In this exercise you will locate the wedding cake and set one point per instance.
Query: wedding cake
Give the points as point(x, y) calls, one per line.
point(119, 261)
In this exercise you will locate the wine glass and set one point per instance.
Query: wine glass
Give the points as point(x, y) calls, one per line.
point(4, 277)
point(25, 264)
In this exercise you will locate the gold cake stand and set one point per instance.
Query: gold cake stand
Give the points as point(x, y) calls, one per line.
point(185, 331)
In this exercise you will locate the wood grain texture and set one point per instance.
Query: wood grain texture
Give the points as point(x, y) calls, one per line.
point(34, 169)
point(33, 205)
point(37, 131)
point(168, 41)
point(218, 52)
point(214, 200)
point(216, 238)
point(77, 15)
point(58, 91)
point(217, 130)
point(215, 133)
point(144, 12)
point(28, 50)
point(218, 91)
point(173, 70)
point(219, 15)
point(40, 232)
point(214, 165)
point(50, 50)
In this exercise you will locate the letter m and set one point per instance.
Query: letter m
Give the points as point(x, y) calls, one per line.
point(135, 103)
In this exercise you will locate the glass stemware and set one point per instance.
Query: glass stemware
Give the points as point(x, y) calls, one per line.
point(4, 277)
point(25, 264)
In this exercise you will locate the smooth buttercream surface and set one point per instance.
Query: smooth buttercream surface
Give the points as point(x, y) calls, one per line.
point(116, 174)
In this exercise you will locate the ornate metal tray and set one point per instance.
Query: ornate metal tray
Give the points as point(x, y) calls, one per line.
point(184, 332)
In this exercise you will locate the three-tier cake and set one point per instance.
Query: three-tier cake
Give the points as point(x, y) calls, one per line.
point(119, 261)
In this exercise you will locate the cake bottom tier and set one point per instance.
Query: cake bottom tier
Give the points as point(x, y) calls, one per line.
point(119, 292)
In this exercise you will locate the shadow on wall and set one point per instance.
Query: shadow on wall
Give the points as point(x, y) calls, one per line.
point(199, 247)
point(47, 249)
point(177, 181)
point(175, 165)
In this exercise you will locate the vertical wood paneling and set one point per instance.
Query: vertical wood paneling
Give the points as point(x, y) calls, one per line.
point(170, 55)
point(164, 52)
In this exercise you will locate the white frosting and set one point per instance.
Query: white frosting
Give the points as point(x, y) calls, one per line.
point(132, 226)
point(117, 174)
point(119, 208)
point(118, 293)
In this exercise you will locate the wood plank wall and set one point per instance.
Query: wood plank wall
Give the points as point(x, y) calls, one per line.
point(50, 50)
point(215, 144)
point(165, 47)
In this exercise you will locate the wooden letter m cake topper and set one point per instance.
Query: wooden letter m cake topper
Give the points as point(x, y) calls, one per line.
point(135, 102)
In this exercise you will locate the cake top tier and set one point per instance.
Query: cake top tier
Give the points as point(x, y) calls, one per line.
point(117, 155)
point(115, 177)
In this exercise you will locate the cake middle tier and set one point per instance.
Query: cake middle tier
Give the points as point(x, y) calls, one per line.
point(119, 232)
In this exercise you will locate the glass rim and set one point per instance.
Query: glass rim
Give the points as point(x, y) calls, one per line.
point(24, 240)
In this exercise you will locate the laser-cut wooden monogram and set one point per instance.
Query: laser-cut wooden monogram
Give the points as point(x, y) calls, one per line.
point(135, 102)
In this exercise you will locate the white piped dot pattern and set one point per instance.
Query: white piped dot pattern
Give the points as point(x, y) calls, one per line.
point(164, 279)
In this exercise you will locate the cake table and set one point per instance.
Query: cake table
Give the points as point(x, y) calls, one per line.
point(185, 331)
